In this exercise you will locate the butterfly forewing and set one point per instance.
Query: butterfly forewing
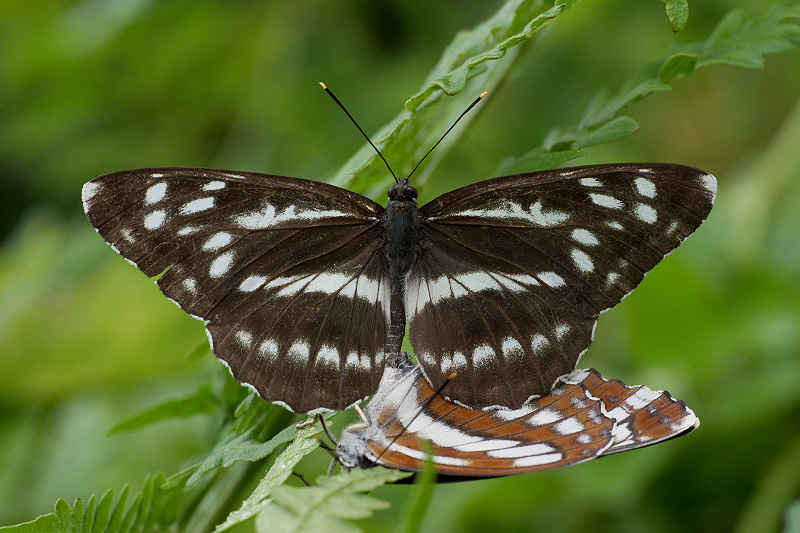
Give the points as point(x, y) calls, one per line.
point(513, 272)
point(288, 274)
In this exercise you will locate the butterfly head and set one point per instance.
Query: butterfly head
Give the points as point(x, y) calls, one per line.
point(403, 191)
point(352, 448)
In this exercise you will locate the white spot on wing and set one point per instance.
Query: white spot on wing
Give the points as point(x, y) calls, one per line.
point(645, 213)
point(543, 417)
point(483, 355)
point(614, 225)
point(439, 289)
point(486, 444)
point(155, 193)
point(569, 426)
point(552, 279)
point(538, 448)
point(709, 182)
point(328, 355)
point(214, 186)
point(252, 283)
point(269, 217)
point(512, 414)
point(606, 200)
point(155, 219)
point(245, 338)
point(268, 349)
point(645, 187)
point(298, 352)
point(536, 460)
point(190, 284)
point(547, 218)
point(590, 182)
point(217, 241)
point(88, 192)
point(561, 331)
point(477, 281)
point(188, 230)
point(512, 349)
point(195, 206)
point(584, 236)
point(582, 260)
point(642, 397)
point(538, 343)
point(421, 456)
point(221, 264)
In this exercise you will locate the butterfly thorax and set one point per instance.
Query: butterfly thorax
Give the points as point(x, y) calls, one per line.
point(402, 228)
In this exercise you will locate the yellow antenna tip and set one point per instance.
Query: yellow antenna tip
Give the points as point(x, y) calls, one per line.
point(484, 93)
point(323, 85)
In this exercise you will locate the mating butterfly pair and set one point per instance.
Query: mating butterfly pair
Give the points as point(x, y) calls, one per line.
point(304, 286)
point(584, 417)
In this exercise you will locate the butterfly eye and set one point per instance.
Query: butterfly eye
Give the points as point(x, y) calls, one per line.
point(411, 192)
point(393, 192)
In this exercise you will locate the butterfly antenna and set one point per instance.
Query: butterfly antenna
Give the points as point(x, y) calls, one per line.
point(478, 99)
point(330, 93)
point(422, 407)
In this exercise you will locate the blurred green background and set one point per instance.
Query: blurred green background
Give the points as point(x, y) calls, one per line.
point(94, 86)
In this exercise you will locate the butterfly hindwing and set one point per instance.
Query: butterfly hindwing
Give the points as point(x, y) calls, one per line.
point(584, 416)
point(512, 272)
point(288, 274)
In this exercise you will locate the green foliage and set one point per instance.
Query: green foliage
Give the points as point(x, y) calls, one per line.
point(326, 506)
point(155, 508)
point(472, 55)
point(737, 313)
point(678, 13)
point(420, 496)
point(202, 401)
point(742, 41)
point(303, 444)
point(792, 517)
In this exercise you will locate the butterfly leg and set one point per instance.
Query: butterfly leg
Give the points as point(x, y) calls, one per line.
point(327, 430)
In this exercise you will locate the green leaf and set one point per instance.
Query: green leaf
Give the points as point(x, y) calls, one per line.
point(47, 523)
point(229, 450)
point(304, 443)
point(677, 67)
point(155, 508)
point(742, 41)
point(678, 13)
point(736, 40)
point(201, 401)
point(536, 159)
point(420, 495)
point(326, 506)
point(792, 517)
point(199, 351)
point(613, 130)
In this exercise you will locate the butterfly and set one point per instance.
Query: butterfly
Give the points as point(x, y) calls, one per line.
point(306, 288)
point(301, 284)
point(585, 416)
